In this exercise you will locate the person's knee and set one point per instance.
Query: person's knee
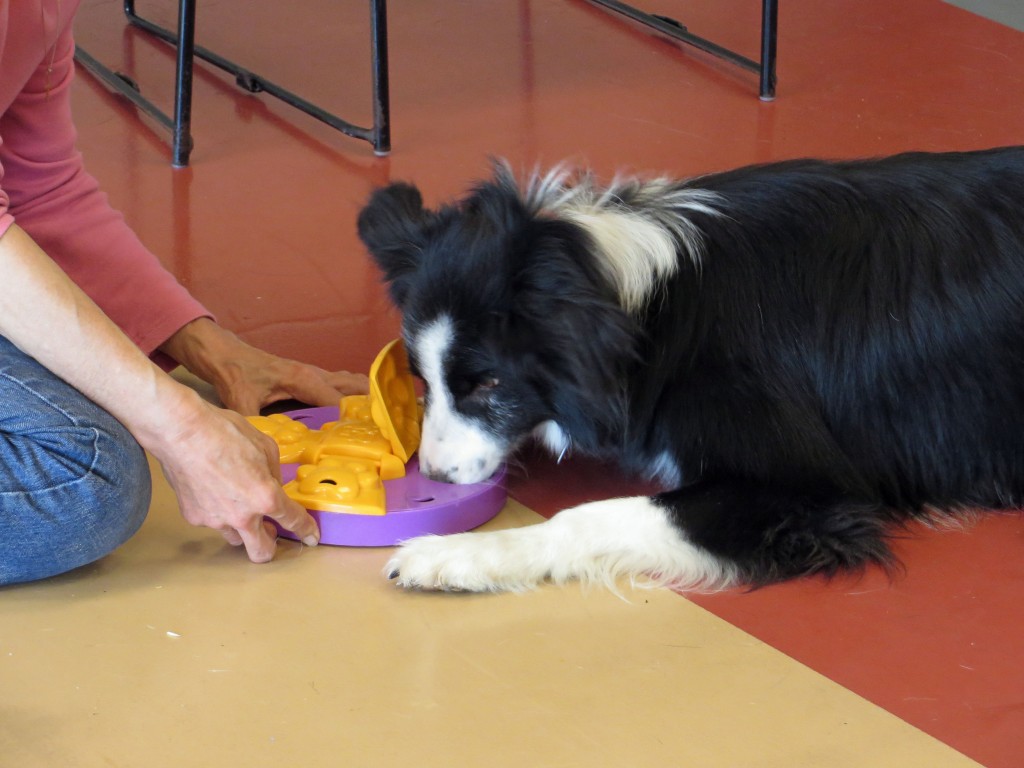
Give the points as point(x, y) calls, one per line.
point(99, 502)
point(120, 490)
point(74, 483)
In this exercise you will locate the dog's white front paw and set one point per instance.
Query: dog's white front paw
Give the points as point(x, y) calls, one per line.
point(597, 543)
point(469, 562)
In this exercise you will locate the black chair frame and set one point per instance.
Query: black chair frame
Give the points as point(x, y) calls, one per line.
point(765, 68)
point(180, 125)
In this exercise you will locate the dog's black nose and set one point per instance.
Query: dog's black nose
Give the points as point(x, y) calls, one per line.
point(438, 475)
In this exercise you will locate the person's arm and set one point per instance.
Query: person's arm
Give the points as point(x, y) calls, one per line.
point(60, 205)
point(63, 209)
point(224, 473)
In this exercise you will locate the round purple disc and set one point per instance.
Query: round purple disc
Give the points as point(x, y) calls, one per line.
point(415, 505)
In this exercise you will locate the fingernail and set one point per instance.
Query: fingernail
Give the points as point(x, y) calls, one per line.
point(311, 541)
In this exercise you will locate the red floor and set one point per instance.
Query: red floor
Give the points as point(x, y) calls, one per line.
point(261, 228)
point(939, 645)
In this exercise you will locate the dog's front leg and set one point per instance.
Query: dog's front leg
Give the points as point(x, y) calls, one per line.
point(598, 542)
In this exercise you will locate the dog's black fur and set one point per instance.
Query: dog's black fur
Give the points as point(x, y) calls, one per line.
point(839, 350)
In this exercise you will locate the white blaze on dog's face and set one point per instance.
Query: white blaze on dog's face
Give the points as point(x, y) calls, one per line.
point(455, 447)
point(515, 324)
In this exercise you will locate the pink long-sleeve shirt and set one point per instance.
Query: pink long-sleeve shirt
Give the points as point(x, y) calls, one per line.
point(44, 186)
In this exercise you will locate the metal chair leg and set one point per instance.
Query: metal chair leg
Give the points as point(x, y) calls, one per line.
point(381, 93)
point(765, 68)
point(183, 39)
point(769, 46)
point(182, 140)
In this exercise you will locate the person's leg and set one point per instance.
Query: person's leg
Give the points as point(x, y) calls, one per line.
point(74, 484)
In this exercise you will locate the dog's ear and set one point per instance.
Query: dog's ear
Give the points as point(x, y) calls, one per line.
point(392, 225)
point(574, 323)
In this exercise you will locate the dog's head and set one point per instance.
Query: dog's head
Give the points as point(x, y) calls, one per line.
point(507, 320)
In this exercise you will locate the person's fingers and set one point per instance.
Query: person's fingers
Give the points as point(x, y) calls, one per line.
point(274, 379)
point(231, 536)
point(272, 453)
point(315, 389)
point(260, 544)
point(270, 533)
point(293, 517)
point(349, 383)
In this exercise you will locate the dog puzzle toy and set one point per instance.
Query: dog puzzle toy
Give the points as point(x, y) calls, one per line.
point(353, 466)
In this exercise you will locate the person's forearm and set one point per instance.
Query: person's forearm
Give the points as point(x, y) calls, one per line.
point(61, 205)
point(48, 317)
point(224, 473)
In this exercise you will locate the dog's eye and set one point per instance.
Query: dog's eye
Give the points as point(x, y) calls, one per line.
point(485, 385)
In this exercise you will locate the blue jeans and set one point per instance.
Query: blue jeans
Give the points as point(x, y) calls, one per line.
point(74, 484)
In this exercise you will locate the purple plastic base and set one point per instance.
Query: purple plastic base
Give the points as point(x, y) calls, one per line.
point(415, 505)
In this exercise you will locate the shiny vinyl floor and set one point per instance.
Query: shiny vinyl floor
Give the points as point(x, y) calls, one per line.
point(176, 651)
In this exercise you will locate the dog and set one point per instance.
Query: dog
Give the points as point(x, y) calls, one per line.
point(807, 355)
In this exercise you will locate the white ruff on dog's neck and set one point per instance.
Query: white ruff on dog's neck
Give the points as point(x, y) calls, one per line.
point(554, 438)
point(634, 252)
point(639, 227)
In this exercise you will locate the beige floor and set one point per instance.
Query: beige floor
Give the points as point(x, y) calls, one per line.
point(175, 651)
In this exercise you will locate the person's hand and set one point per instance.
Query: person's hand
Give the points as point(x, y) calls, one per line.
point(227, 477)
point(248, 379)
point(224, 472)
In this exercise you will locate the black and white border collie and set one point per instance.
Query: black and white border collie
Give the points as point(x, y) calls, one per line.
point(808, 354)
